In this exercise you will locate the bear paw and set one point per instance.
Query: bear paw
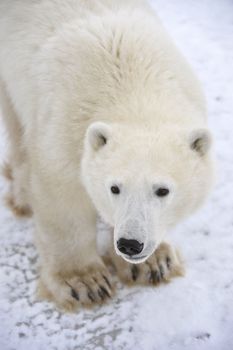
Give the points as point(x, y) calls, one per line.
point(164, 264)
point(87, 288)
point(15, 199)
point(19, 210)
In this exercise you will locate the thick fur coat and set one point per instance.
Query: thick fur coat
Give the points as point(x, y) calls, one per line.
point(104, 117)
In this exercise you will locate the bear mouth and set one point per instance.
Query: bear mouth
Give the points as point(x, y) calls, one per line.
point(139, 257)
point(134, 259)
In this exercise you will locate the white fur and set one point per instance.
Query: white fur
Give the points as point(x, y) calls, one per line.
point(109, 70)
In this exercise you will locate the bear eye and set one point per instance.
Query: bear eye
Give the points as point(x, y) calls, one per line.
point(115, 189)
point(162, 192)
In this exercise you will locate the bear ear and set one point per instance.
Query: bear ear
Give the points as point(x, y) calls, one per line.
point(97, 135)
point(200, 141)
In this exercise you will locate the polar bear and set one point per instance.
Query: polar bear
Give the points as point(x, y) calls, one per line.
point(105, 118)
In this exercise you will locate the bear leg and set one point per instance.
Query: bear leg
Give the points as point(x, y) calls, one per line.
point(16, 169)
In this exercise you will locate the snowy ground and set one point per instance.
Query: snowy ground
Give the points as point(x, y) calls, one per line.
point(195, 312)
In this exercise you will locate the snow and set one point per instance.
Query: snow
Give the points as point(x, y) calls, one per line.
point(195, 312)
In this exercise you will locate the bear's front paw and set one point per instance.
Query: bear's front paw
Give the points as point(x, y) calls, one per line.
point(93, 285)
point(161, 266)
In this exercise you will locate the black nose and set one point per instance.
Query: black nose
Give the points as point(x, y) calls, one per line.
point(129, 246)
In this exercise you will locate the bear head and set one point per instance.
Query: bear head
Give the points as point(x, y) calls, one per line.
point(144, 180)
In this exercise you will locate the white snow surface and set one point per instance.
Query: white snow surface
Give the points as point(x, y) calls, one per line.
point(194, 312)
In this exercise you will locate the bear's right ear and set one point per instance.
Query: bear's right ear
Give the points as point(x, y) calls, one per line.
point(97, 135)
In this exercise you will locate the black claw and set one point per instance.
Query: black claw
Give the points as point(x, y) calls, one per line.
point(161, 269)
point(107, 281)
point(74, 294)
point(135, 272)
point(155, 277)
point(105, 292)
point(91, 295)
point(168, 262)
point(101, 293)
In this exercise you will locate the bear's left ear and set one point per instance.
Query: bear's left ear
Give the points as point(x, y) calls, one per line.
point(97, 135)
point(200, 141)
